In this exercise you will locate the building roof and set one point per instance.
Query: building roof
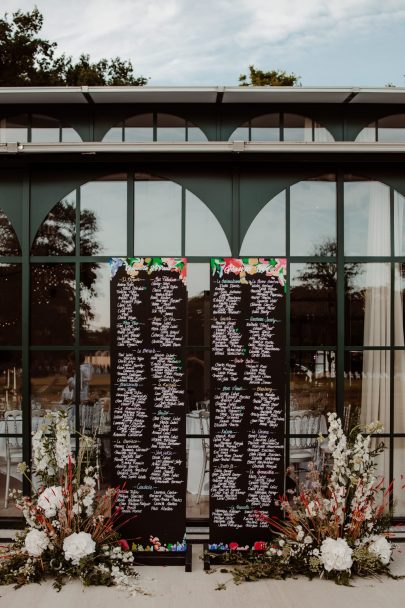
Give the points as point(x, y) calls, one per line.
point(204, 95)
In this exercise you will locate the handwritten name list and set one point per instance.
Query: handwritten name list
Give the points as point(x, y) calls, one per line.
point(248, 396)
point(148, 315)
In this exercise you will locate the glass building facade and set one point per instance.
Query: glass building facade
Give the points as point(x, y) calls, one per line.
point(324, 188)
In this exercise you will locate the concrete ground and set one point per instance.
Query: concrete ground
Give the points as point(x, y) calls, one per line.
point(171, 587)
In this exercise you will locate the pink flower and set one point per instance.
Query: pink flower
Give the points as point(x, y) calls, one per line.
point(123, 544)
point(259, 545)
point(233, 546)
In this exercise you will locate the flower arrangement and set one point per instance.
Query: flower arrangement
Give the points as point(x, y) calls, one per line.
point(336, 528)
point(71, 532)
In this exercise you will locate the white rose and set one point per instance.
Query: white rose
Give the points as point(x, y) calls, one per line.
point(336, 554)
point(51, 500)
point(382, 548)
point(78, 545)
point(36, 542)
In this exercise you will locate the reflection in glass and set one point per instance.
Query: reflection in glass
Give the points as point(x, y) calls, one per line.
point(170, 128)
point(10, 384)
point(367, 386)
point(367, 218)
point(95, 397)
point(14, 129)
point(266, 234)
point(45, 129)
point(197, 380)
point(10, 304)
point(265, 128)
point(240, 134)
point(103, 213)
point(399, 459)
point(391, 128)
point(399, 310)
point(70, 135)
point(52, 303)
point(9, 244)
point(399, 223)
point(194, 133)
point(313, 303)
point(313, 217)
point(139, 128)
point(297, 128)
point(57, 233)
point(95, 303)
point(367, 304)
point(312, 381)
point(197, 472)
point(52, 386)
point(399, 391)
point(115, 134)
point(204, 233)
point(157, 217)
point(198, 311)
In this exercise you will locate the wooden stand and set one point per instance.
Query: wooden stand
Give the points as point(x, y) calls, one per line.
point(165, 558)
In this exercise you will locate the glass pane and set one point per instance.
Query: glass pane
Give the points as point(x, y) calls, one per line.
point(265, 128)
point(297, 128)
point(367, 387)
point(52, 385)
point(104, 462)
point(157, 218)
point(321, 134)
point(198, 311)
point(313, 304)
point(313, 381)
point(367, 304)
point(197, 505)
point(14, 129)
point(57, 233)
point(95, 395)
point(103, 217)
point(266, 234)
point(391, 128)
point(399, 223)
point(367, 218)
point(69, 135)
point(170, 128)
point(9, 244)
point(114, 135)
point(399, 310)
point(240, 134)
point(10, 385)
point(52, 303)
point(95, 303)
point(195, 134)
point(399, 459)
point(368, 134)
point(139, 128)
point(313, 217)
point(45, 129)
point(198, 381)
point(10, 304)
point(204, 233)
point(399, 392)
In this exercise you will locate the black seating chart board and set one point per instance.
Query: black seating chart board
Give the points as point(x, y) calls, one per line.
point(247, 396)
point(148, 317)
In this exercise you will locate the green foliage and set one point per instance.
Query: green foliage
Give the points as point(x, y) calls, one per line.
point(26, 59)
point(273, 78)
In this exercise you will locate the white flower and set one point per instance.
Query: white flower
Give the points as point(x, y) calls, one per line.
point(381, 547)
point(78, 545)
point(36, 542)
point(336, 554)
point(51, 500)
point(308, 540)
point(89, 481)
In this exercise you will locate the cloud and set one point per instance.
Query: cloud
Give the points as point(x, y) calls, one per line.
point(189, 41)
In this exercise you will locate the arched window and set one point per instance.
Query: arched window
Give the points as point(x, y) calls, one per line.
point(281, 127)
point(9, 243)
point(388, 129)
point(155, 126)
point(36, 128)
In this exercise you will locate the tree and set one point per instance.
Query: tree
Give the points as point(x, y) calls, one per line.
point(26, 59)
point(273, 78)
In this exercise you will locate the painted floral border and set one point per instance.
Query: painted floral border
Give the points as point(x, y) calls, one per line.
point(275, 267)
point(134, 265)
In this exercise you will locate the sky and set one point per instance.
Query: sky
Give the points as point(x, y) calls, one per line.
point(211, 42)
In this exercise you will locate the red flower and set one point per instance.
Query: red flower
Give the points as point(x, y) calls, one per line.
point(259, 546)
point(123, 544)
point(233, 546)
